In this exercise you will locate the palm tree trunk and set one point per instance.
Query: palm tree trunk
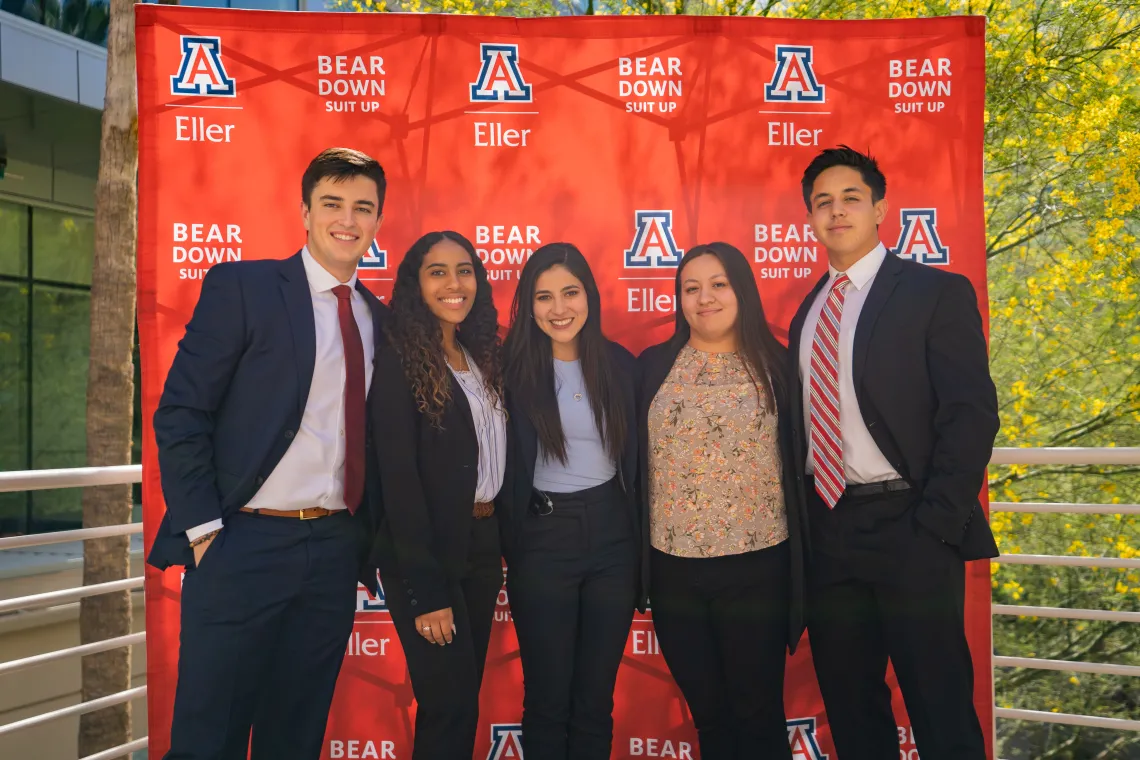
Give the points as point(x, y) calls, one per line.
point(110, 386)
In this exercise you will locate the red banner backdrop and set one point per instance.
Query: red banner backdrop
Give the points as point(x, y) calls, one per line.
point(635, 139)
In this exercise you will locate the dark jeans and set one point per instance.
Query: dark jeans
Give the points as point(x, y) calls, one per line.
point(723, 627)
point(572, 590)
point(446, 679)
point(884, 587)
point(265, 621)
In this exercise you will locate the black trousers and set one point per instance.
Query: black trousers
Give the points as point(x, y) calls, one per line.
point(446, 679)
point(884, 587)
point(572, 588)
point(265, 622)
point(723, 627)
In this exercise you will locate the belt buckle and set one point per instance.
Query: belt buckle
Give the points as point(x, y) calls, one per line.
point(302, 511)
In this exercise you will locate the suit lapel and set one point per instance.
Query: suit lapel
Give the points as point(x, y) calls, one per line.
point(376, 308)
point(881, 289)
point(299, 309)
point(795, 334)
point(462, 407)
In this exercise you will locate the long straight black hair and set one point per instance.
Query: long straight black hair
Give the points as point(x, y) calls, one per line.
point(529, 362)
point(764, 356)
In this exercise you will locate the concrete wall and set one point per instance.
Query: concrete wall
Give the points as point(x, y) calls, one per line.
point(40, 689)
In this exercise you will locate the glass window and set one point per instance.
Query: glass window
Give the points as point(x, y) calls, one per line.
point(59, 351)
point(63, 246)
point(13, 239)
point(13, 399)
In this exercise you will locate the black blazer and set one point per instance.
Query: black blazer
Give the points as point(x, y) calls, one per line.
point(522, 457)
point(428, 477)
point(234, 398)
point(922, 377)
point(655, 363)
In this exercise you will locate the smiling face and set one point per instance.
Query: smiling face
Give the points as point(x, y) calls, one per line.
point(708, 301)
point(447, 282)
point(560, 305)
point(843, 215)
point(342, 219)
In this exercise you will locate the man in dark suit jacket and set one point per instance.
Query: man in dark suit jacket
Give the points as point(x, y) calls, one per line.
point(261, 434)
point(893, 434)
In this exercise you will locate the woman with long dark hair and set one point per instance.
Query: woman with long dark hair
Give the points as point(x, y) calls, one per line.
point(439, 435)
point(572, 534)
point(725, 509)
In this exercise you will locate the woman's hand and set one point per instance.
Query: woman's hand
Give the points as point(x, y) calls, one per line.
point(437, 627)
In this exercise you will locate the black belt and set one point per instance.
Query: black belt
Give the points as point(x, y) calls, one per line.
point(855, 490)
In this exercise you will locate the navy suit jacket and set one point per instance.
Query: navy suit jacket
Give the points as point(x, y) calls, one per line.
point(234, 398)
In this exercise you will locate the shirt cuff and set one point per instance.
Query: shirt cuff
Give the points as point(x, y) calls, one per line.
point(193, 534)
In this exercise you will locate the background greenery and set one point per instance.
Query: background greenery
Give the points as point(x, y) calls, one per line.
point(1062, 152)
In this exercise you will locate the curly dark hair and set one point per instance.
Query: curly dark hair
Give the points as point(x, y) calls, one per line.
point(417, 337)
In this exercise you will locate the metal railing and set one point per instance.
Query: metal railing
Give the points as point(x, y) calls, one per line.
point(97, 476)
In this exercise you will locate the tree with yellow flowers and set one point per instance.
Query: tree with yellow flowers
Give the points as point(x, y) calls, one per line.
point(1062, 174)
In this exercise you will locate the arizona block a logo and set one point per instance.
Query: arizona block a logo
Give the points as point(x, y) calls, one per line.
point(918, 237)
point(500, 79)
point(506, 742)
point(801, 737)
point(201, 71)
point(794, 80)
point(374, 258)
point(653, 243)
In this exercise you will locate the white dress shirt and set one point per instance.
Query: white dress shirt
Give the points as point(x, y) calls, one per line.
point(311, 473)
point(863, 462)
point(490, 429)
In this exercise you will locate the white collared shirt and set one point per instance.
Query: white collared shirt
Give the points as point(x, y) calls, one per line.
point(490, 420)
point(311, 472)
point(863, 462)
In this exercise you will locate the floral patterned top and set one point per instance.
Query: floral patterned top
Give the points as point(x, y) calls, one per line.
point(714, 461)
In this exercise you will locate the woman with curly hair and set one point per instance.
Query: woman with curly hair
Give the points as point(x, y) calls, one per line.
point(439, 435)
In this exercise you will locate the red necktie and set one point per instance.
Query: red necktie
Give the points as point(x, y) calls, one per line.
point(826, 434)
point(353, 398)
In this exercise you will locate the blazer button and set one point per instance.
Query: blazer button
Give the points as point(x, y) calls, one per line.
point(409, 592)
point(260, 480)
point(289, 434)
point(413, 602)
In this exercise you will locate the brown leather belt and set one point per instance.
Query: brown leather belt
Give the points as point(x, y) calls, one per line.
point(483, 509)
point(308, 513)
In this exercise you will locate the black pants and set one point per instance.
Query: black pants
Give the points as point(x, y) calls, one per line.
point(265, 621)
point(446, 679)
point(572, 588)
point(884, 587)
point(723, 627)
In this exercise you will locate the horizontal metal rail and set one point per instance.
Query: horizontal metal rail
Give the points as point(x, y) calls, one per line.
point(64, 596)
point(1079, 455)
point(1039, 716)
point(1036, 663)
point(1067, 509)
point(80, 709)
point(65, 536)
point(78, 651)
point(1056, 560)
point(1115, 616)
point(120, 751)
point(70, 477)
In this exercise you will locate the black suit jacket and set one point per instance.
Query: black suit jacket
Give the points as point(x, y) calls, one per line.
point(428, 477)
point(235, 394)
point(523, 456)
point(655, 363)
point(921, 374)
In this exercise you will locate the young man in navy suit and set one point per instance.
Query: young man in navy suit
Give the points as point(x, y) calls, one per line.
point(894, 426)
point(261, 446)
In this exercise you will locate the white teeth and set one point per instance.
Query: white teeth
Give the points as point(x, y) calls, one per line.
point(342, 236)
point(452, 300)
point(561, 322)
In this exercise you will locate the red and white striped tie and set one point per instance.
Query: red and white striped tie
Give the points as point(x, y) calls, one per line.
point(826, 436)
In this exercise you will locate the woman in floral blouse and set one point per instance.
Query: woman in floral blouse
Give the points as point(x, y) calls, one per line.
point(725, 515)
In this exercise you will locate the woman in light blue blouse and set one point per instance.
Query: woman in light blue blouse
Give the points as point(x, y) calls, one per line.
point(572, 535)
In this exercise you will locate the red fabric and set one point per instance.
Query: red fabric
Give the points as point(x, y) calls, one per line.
point(353, 398)
point(643, 137)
